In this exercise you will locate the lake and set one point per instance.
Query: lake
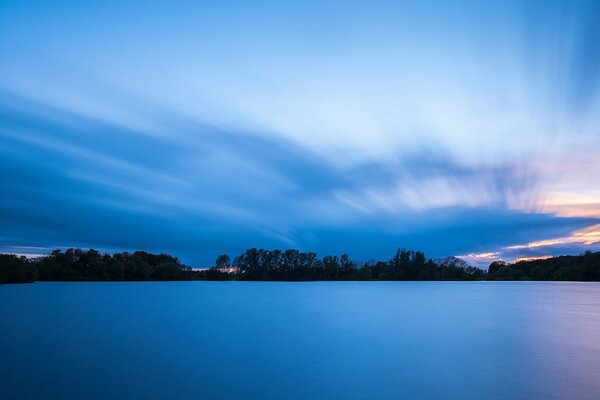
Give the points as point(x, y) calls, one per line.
point(292, 340)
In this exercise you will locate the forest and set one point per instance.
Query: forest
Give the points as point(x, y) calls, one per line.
point(285, 265)
point(585, 267)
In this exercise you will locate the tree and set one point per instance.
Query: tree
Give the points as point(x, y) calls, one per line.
point(331, 267)
point(223, 261)
point(495, 266)
point(347, 266)
point(16, 269)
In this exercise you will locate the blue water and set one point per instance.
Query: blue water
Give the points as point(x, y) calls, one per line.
point(321, 340)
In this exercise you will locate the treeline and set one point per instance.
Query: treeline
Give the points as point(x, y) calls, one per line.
point(584, 267)
point(288, 265)
point(15, 269)
point(90, 265)
point(294, 265)
point(406, 265)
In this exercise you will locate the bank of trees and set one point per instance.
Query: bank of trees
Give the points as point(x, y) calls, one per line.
point(584, 267)
point(288, 265)
point(294, 265)
point(406, 265)
point(16, 269)
point(90, 265)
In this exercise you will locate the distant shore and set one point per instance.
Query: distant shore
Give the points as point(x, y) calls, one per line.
point(288, 265)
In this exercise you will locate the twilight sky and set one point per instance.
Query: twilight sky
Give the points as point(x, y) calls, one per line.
point(462, 128)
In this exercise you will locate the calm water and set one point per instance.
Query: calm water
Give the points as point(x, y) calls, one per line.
point(325, 340)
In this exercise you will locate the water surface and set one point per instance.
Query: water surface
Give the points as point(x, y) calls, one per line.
point(317, 340)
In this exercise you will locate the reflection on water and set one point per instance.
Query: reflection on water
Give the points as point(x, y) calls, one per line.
point(321, 340)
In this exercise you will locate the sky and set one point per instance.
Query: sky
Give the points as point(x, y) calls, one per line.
point(198, 128)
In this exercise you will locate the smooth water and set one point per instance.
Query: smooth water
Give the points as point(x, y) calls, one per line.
point(318, 340)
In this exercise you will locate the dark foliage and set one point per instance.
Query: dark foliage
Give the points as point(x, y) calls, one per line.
point(90, 265)
point(585, 267)
point(289, 265)
point(293, 265)
point(15, 269)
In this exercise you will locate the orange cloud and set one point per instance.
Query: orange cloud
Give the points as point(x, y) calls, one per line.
point(586, 236)
point(571, 205)
point(480, 258)
point(531, 258)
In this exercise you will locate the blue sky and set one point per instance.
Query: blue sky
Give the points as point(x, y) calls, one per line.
point(460, 128)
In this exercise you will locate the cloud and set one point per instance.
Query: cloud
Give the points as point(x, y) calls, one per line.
point(219, 129)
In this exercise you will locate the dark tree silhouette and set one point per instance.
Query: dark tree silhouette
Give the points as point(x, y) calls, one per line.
point(15, 269)
point(585, 267)
point(82, 265)
point(288, 265)
point(223, 261)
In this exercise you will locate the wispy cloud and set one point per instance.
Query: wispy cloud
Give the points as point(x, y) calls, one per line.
point(586, 236)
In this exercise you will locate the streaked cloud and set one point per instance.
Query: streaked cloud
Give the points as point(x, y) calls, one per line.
point(531, 258)
point(586, 236)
